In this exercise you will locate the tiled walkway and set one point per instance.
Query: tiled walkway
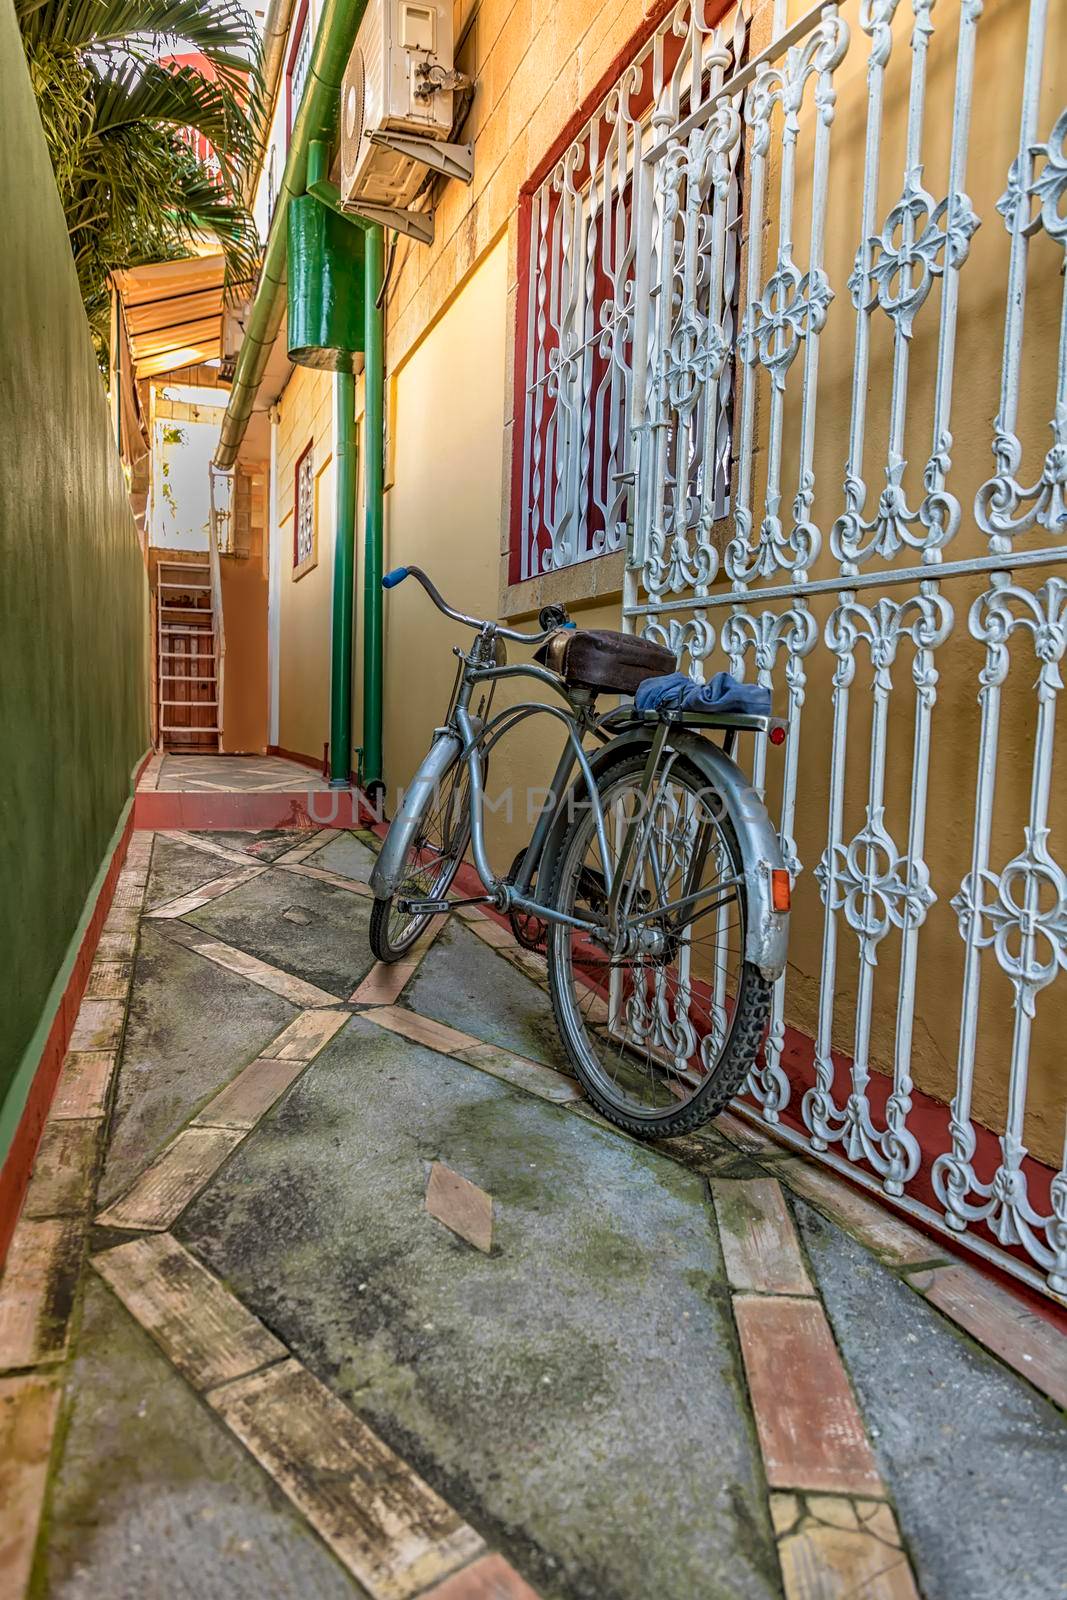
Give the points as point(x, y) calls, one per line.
point(208, 774)
point(374, 1304)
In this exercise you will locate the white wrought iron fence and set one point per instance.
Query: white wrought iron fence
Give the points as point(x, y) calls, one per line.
point(903, 199)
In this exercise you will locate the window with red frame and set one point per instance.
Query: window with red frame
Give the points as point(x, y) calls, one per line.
point(574, 462)
point(296, 76)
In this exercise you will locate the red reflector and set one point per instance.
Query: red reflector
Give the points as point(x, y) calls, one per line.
point(778, 735)
point(780, 889)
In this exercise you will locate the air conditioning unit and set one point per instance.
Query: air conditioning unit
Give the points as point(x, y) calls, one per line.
point(396, 107)
point(234, 322)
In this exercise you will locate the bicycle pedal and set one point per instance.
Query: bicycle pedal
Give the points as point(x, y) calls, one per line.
point(423, 908)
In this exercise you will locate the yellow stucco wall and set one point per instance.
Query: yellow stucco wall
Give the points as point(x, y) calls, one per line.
point(306, 416)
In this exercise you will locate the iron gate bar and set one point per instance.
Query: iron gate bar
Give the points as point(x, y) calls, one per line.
point(1011, 915)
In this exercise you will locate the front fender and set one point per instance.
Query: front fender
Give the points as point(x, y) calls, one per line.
point(390, 868)
point(767, 930)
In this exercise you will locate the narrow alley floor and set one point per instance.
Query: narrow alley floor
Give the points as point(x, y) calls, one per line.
point(374, 1304)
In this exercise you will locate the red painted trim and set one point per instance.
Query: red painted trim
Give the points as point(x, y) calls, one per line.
point(18, 1165)
point(297, 35)
point(518, 398)
point(161, 809)
point(314, 762)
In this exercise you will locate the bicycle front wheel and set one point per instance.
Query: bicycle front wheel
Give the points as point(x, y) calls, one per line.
point(438, 847)
point(663, 1022)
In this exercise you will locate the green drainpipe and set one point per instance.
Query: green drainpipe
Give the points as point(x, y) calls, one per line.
point(316, 120)
point(344, 554)
point(344, 560)
point(316, 123)
point(374, 379)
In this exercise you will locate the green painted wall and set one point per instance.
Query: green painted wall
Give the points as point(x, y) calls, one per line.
point(73, 607)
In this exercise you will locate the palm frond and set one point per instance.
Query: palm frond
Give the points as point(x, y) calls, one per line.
point(217, 28)
point(175, 97)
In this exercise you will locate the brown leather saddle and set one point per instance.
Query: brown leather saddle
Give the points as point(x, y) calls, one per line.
point(604, 661)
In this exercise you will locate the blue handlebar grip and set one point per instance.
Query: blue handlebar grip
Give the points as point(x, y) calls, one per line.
point(397, 575)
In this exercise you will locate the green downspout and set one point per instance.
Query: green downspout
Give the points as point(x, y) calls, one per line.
point(316, 120)
point(374, 422)
point(374, 412)
point(344, 561)
point(344, 553)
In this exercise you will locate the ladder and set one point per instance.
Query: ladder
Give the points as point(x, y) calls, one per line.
point(187, 663)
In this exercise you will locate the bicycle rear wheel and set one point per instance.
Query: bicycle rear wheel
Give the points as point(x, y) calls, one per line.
point(438, 847)
point(662, 1032)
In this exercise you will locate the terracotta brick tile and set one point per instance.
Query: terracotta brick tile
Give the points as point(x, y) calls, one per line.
point(1005, 1325)
point(28, 1409)
point(210, 848)
point(491, 932)
point(388, 1528)
point(108, 980)
point(530, 1075)
point(747, 1136)
point(37, 1289)
point(61, 1183)
point(810, 1430)
point(163, 1191)
point(874, 1224)
point(464, 1209)
point(422, 1030)
point(122, 919)
point(290, 988)
point(202, 1328)
point(214, 889)
point(384, 983)
point(336, 880)
point(98, 1025)
point(490, 1578)
point(838, 1549)
point(759, 1242)
point(116, 946)
point(251, 1094)
point(83, 1084)
point(306, 1035)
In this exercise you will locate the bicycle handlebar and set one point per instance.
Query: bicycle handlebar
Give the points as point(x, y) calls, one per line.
point(398, 574)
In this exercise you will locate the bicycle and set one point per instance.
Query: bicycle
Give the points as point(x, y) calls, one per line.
point(655, 870)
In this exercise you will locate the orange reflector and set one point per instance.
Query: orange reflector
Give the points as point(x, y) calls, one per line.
point(777, 735)
point(779, 888)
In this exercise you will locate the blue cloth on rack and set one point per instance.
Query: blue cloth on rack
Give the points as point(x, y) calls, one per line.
point(722, 693)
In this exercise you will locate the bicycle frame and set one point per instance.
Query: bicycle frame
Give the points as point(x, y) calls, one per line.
point(468, 739)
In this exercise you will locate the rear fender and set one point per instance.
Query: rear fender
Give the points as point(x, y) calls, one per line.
point(767, 930)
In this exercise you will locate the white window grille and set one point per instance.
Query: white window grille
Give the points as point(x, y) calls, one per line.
point(577, 320)
point(304, 511)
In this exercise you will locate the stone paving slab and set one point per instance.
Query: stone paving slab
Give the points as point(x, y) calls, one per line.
point(177, 868)
point(973, 1456)
point(205, 1332)
point(153, 1499)
point(343, 853)
point(192, 1027)
point(542, 1389)
point(465, 984)
point(536, 1378)
point(313, 930)
point(389, 1528)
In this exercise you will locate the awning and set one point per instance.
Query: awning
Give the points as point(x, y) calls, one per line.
point(173, 313)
